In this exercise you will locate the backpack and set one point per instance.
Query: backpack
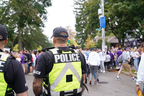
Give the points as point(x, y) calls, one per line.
point(25, 58)
point(120, 59)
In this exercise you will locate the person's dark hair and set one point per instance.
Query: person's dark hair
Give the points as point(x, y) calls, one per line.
point(44, 49)
point(35, 52)
point(61, 40)
point(39, 51)
point(72, 46)
point(6, 51)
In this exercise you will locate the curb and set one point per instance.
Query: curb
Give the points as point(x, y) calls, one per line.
point(126, 73)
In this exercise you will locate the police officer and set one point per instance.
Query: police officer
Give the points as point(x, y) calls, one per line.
point(64, 68)
point(12, 78)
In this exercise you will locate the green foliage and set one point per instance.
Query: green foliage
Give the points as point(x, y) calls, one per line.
point(90, 43)
point(73, 42)
point(23, 20)
point(127, 14)
point(87, 20)
point(122, 17)
point(99, 44)
point(39, 48)
point(16, 48)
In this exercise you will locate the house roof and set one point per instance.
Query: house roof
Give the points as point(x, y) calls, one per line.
point(112, 39)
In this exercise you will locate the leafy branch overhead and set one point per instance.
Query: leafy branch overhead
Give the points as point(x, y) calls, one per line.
point(21, 17)
point(123, 17)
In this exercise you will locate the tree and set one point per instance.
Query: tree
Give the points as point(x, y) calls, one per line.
point(22, 14)
point(15, 48)
point(123, 17)
point(90, 43)
point(87, 20)
point(39, 48)
point(71, 36)
point(33, 37)
point(73, 42)
point(71, 32)
point(80, 22)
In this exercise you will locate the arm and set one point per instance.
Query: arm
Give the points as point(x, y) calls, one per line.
point(83, 87)
point(23, 94)
point(137, 89)
point(37, 86)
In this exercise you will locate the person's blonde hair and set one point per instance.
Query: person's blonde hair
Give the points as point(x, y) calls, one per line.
point(61, 40)
point(134, 50)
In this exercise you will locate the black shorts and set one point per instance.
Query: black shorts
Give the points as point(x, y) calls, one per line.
point(30, 64)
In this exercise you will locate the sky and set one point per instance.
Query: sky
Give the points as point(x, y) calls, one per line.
point(59, 14)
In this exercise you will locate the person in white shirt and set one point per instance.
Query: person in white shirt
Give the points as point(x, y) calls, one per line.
point(102, 59)
point(108, 61)
point(34, 60)
point(140, 73)
point(135, 55)
point(94, 62)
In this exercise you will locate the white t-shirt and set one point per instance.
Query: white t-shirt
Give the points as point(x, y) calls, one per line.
point(134, 54)
point(94, 59)
point(107, 58)
point(34, 57)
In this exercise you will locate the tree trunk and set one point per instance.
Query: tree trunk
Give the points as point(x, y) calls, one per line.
point(120, 46)
point(19, 39)
point(11, 45)
point(123, 41)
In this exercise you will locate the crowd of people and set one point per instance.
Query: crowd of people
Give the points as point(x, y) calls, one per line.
point(27, 58)
point(62, 70)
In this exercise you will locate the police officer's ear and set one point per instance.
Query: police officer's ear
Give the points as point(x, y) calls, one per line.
point(67, 39)
point(6, 41)
point(54, 40)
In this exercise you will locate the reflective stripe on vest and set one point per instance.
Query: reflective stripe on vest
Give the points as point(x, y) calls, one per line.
point(63, 71)
point(3, 84)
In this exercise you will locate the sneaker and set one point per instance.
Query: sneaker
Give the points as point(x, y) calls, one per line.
point(96, 83)
point(103, 71)
point(90, 82)
point(134, 79)
point(117, 78)
point(31, 73)
point(135, 72)
point(97, 80)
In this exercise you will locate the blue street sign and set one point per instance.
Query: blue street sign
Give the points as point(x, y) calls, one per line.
point(102, 22)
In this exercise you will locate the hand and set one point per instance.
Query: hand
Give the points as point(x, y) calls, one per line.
point(137, 89)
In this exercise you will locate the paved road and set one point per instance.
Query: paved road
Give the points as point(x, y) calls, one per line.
point(108, 86)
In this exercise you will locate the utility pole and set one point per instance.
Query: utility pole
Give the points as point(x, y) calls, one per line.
point(103, 29)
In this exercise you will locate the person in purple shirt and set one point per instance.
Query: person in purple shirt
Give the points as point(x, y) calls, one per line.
point(22, 62)
point(119, 52)
point(112, 58)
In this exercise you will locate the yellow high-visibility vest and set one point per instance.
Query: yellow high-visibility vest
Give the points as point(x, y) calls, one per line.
point(66, 73)
point(3, 85)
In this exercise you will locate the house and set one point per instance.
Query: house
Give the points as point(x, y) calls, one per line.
point(113, 41)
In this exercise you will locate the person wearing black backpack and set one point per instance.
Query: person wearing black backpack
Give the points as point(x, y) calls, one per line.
point(27, 55)
point(65, 68)
point(12, 78)
point(24, 61)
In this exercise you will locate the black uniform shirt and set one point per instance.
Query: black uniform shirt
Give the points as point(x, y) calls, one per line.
point(45, 64)
point(15, 76)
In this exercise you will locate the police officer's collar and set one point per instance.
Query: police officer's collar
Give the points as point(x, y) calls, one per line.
point(1, 50)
